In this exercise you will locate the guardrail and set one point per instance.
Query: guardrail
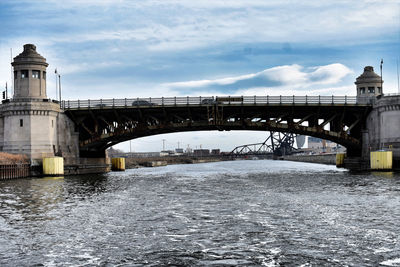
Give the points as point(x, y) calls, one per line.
point(392, 94)
point(8, 100)
point(209, 100)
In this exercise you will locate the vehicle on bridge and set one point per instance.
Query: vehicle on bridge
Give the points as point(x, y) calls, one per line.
point(141, 102)
point(208, 101)
point(100, 105)
point(229, 99)
point(222, 100)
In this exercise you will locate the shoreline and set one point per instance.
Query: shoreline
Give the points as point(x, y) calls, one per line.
point(133, 163)
point(328, 159)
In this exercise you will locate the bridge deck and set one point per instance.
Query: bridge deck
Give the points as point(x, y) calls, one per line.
point(211, 100)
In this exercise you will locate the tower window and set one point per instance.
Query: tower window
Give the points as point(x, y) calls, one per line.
point(379, 90)
point(24, 74)
point(362, 90)
point(36, 74)
point(21, 123)
point(44, 75)
point(371, 89)
point(15, 74)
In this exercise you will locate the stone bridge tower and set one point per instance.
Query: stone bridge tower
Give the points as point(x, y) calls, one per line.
point(29, 74)
point(369, 85)
point(30, 123)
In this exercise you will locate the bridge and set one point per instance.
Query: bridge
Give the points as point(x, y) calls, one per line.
point(106, 122)
point(81, 130)
point(277, 144)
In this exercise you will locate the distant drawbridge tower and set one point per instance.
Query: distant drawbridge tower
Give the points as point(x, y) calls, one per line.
point(277, 143)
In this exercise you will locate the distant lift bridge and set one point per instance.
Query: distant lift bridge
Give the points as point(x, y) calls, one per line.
point(277, 143)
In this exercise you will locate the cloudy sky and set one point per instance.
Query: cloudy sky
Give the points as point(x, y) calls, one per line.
point(139, 48)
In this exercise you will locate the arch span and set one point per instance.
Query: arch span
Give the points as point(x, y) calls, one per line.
point(102, 127)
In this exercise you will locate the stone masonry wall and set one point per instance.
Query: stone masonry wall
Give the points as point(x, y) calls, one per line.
point(383, 125)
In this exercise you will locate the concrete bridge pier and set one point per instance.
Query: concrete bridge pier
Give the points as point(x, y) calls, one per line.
point(359, 160)
point(91, 162)
point(365, 145)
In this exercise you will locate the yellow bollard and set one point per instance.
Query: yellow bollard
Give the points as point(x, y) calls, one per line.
point(381, 160)
point(118, 164)
point(53, 166)
point(340, 159)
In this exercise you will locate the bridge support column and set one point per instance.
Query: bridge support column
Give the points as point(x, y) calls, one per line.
point(365, 149)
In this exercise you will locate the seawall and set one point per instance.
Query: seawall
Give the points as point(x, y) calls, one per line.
point(162, 161)
point(329, 159)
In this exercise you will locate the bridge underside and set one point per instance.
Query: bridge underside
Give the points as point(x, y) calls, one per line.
point(102, 127)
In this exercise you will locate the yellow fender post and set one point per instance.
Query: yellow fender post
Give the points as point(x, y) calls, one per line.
point(381, 160)
point(118, 164)
point(340, 159)
point(53, 166)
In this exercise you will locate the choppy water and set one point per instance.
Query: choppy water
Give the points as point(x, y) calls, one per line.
point(248, 213)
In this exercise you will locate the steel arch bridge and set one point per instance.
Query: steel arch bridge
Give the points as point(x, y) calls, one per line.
point(104, 123)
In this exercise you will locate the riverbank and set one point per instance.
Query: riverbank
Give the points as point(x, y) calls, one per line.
point(329, 159)
point(131, 163)
point(7, 158)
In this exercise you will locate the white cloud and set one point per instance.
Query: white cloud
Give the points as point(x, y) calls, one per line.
point(289, 74)
point(202, 83)
point(287, 80)
point(287, 91)
point(329, 74)
point(281, 77)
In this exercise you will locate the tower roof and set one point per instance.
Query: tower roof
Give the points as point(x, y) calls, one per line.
point(369, 76)
point(29, 56)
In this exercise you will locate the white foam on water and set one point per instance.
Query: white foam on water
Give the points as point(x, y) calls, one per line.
point(89, 259)
point(272, 263)
point(393, 262)
point(382, 250)
point(275, 250)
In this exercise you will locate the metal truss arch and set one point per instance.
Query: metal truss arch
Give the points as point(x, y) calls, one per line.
point(103, 127)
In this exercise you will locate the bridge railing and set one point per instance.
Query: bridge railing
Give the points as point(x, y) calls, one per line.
point(209, 100)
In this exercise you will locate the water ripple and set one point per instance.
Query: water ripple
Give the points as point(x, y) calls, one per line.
point(241, 213)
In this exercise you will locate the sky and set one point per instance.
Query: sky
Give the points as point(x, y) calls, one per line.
point(138, 48)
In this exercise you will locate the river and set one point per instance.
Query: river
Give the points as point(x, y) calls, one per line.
point(237, 213)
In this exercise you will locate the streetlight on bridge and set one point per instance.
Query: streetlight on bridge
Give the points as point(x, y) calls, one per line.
point(381, 77)
point(58, 75)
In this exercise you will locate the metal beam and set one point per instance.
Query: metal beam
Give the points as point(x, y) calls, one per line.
point(327, 121)
point(304, 119)
point(354, 124)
